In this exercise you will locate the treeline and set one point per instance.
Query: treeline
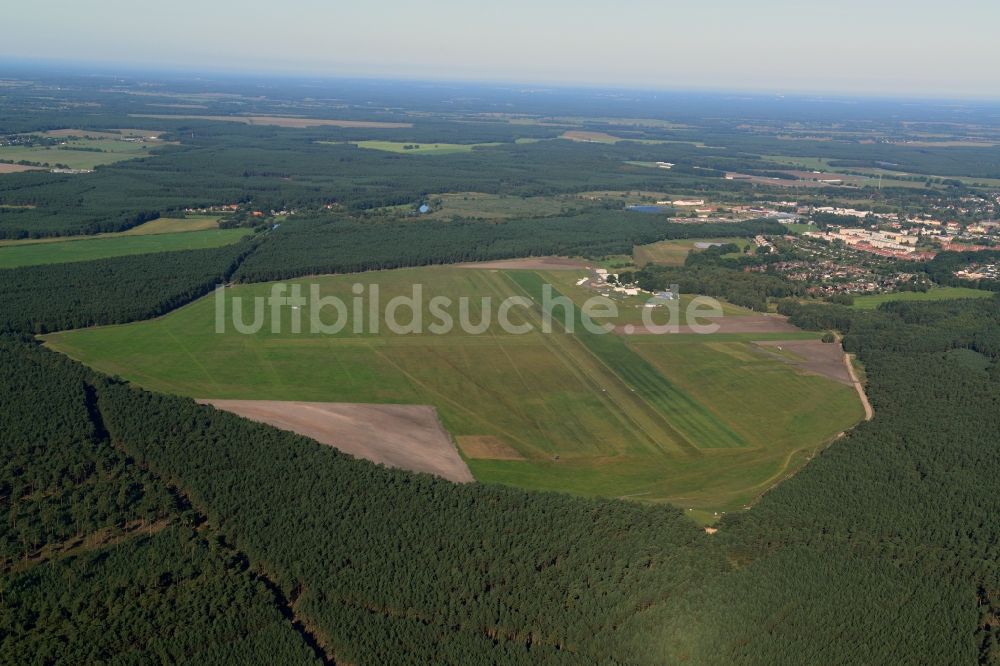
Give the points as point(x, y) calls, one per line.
point(329, 245)
point(941, 269)
point(167, 597)
point(54, 297)
point(99, 562)
point(60, 477)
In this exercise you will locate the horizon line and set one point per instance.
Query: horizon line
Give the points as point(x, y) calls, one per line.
point(110, 69)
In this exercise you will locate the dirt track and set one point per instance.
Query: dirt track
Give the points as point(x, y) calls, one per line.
point(530, 263)
point(869, 412)
point(405, 436)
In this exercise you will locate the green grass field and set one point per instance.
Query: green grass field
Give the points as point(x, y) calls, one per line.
point(673, 253)
point(936, 294)
point(161, 225)
point(87, 248)
point(111, 150)
point(421, 148)
point(590, 414)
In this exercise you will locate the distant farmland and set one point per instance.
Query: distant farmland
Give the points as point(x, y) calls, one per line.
point(417, 148)
point(79, 153)
point(296, 122)
point(590, 415)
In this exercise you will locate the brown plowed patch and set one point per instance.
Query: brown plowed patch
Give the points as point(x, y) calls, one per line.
point(530, 264)
point(16, 168)
point(405, 436)
point(814, 356)
point(487, 447)
point(590, 137)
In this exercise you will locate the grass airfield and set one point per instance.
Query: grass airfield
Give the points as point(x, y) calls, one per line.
point(704, 422)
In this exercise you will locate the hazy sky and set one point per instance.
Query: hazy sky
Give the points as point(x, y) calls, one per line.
point(863, 46)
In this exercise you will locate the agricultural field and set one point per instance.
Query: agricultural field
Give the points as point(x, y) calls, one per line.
point(294, 122)
point(174, 225)
point(603, 137)
point(79, 152)
point(673, 253)
point(935, 294)
point(161, 225)
point(415, 148)
point(893, 177)
point(404, 436)
point(590, 137)
point(86, 248)
point(98, 134)
point(584, 413)
point(15, 168)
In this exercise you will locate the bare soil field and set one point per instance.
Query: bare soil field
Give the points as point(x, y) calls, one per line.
point(97, 134)
point(814, 356)
point(847, 179)
point(406, 436)
point(590, 137)
point(16, 168)
point(530, 264)
point(758, 323)
point(806, 179)
point(286, 121)
point(487, 447)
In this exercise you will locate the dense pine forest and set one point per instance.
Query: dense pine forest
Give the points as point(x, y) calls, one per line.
point(111, 291)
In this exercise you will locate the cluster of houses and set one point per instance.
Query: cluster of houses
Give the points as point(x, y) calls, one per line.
point(884, 243)
point(235, 207)
point(827, 276)
point(763, 244)
point(980, 272)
